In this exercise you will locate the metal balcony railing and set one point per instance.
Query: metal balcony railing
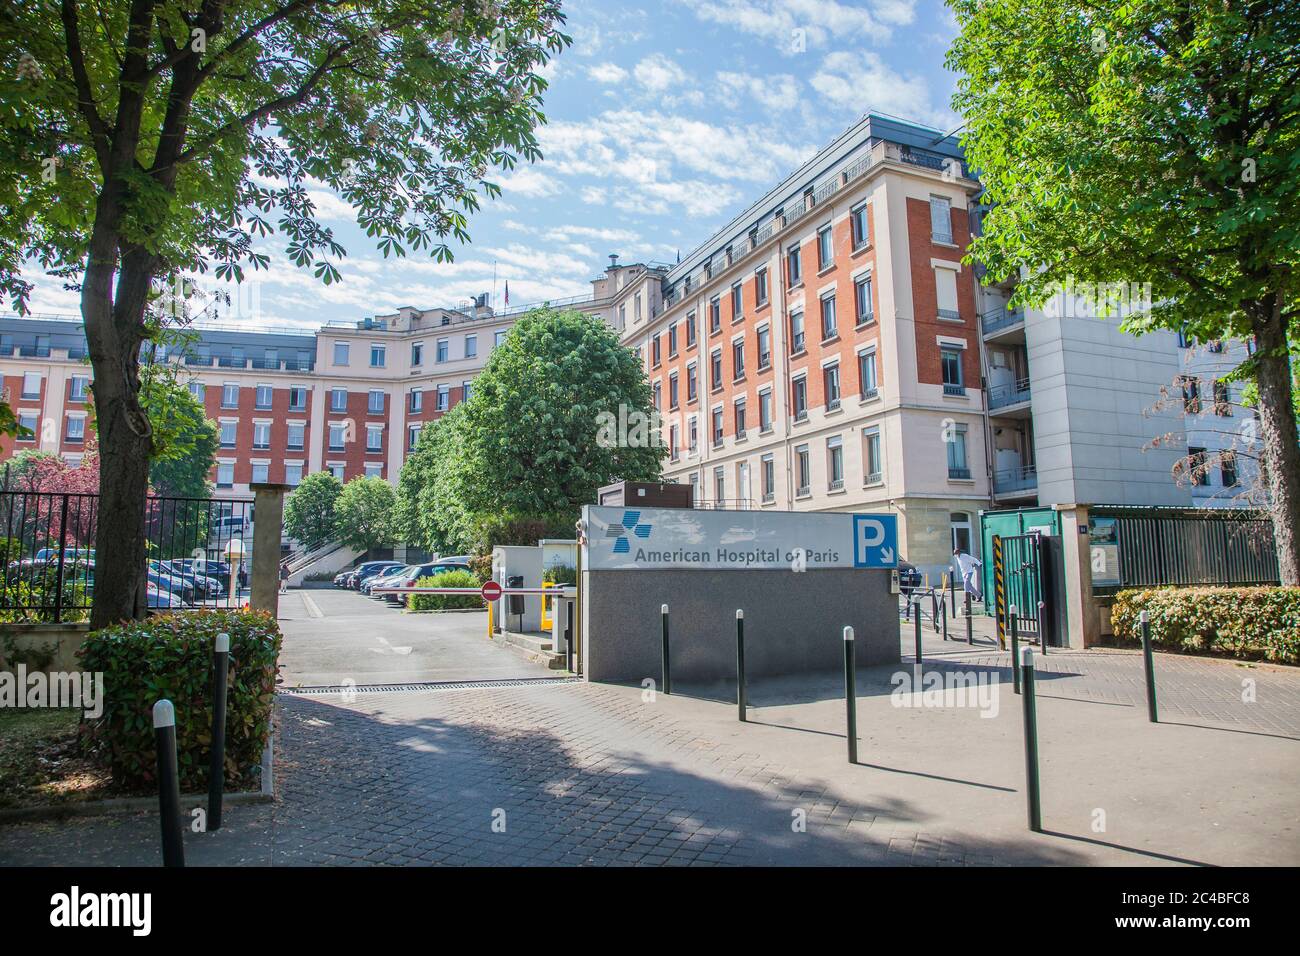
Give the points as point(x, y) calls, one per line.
point(1013, 393)
point(1024, 478)
point(998, 319)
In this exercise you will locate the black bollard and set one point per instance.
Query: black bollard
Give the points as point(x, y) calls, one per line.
point(217, 767)
point(668, 686)
point(169, 792)
point(918, 639)
point(1031, 742)
point(970, 622)
point(740, 664)
point(851, 694)
point(1149, 666)
point(1015, 648)
point(1042, 627)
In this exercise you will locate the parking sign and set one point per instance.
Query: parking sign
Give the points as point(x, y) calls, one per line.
point(875, 541)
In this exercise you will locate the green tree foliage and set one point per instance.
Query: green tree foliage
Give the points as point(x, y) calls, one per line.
point(365, 513)
point(533, 444)
point(143, 140)
point(309, 511)
point(185, 439)
point(1154, 141)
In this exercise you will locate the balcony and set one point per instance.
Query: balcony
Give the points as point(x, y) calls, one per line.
point(1015, 480)
point(1005, 396)
point(954, 390)
point(998, 320)
point(960, 474)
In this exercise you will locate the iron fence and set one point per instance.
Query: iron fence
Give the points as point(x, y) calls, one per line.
point(198, 553)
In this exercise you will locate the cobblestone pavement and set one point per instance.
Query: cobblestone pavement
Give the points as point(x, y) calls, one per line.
point(530, 774)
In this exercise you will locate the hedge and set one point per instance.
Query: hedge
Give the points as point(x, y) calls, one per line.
point(446, 602)
point(1259, 623)
point(171, 656)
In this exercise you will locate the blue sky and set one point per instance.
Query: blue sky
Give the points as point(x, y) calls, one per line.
point(665, 121)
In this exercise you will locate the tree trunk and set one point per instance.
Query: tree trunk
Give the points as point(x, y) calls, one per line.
point(1281, 451)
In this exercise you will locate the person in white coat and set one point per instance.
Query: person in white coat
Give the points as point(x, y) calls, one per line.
point(968, 566)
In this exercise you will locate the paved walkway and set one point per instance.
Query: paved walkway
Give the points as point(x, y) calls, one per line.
point(598, 774)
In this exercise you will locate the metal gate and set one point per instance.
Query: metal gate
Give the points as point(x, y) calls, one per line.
point(1021, 580)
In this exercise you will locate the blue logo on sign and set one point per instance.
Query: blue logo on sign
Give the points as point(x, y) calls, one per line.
point(631, 525)
point(875, 541)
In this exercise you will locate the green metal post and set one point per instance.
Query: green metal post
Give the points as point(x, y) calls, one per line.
point(1015, 649)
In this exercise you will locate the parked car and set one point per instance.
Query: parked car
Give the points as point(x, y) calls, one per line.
point(70, 556)
point(170, 582)
point(340, 579)
point(382, 579)
point(409, 575)
point(368, 569)
point(909, 578)
point(160, 597)
point(202, 584)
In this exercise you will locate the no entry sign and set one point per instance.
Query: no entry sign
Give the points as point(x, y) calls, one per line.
point(491, 591)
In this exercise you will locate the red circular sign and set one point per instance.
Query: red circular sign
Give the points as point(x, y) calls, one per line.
point(491, 591)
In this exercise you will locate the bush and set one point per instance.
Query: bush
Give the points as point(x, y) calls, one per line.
point(446, 602)
point(1260, 623)
point(170, 656)
point(561, 574)
point(481, 566)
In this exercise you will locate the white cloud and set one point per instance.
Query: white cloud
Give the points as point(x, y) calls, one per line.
point(607, 73)
point(859, 81)
point(658, 73)
point(527, 181)
point(779, 92)
point(795, 25)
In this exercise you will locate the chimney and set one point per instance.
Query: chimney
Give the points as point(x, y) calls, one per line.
point(613, 261)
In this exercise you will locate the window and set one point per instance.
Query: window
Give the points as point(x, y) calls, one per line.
point(767, 471)
point(262, 397)
point(690, 329)
point(654, 351)
point(228, 433)
point(719, 485)
point(867, 374)
point(1191, 395)
point(1228, 468)
point(636, 307)
point(1196, 465)
point(672, 390)
point(79, 383)
point(793, 266)
point(415, 400)
point(690, 382)
point(955, 439)
point(229, 396)
point(500, 337)
point(261, 435)
point(738, 359)
point(338, 399)
point(622, 316)
point(297, 436)
point(412, 437)
point(338, 435)
point(659, 395)
point(872, 462)
point(945, 290)
point(471, 346)
point(692, 435)
point(760, 287)
point(261, 473)
point(940, 220)
point(740, 418)
point(765, 411)
point(764, 347)
point(297, 398)
point(796, 333)
point(950, 361)
point(374, 469)
point(337, 469)
point(341, 350)
point(715, 370)
point(828, 317)
point(742, 484)
point(959, 522)
point(802, 471)
point(862, 300)
point(417, 354)
point(293, 473)
point(834, 463)
point(800, 398)
point(737, 303)
point(858, 226)
point(378, 356)
point(1222, 399)
point(198, 390)
point(375, 402)
point(374, 438)
point(715, 314)
point(672, 339)
point(825, 248)
point(831, 383)
point(76, 428)
point(441, 350)
point(225, 474)
point(465, 390)
point(717, 428)
point(444, 398)
point(672, 443)
point(29, 421)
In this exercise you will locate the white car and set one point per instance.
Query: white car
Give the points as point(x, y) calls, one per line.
point(156, 598)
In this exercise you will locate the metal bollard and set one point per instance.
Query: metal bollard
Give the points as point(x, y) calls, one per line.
point(945, 615)
point(918, 637)
point(1031, 742)
point(169, 791)
point(851, 694)
point(1014, 621)
point(668, 686)
point(568, 634)
point(934, 610)
point(740, 664)
point(1149, 664)
point(970, 622)
point(217, 766)
point(1042, 628)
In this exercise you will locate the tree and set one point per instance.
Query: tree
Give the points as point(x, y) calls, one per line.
point(160, 137)
point(1150, 141)
point(185, 440)
point(309, 512)
point(365, 513)
point(560, 409)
